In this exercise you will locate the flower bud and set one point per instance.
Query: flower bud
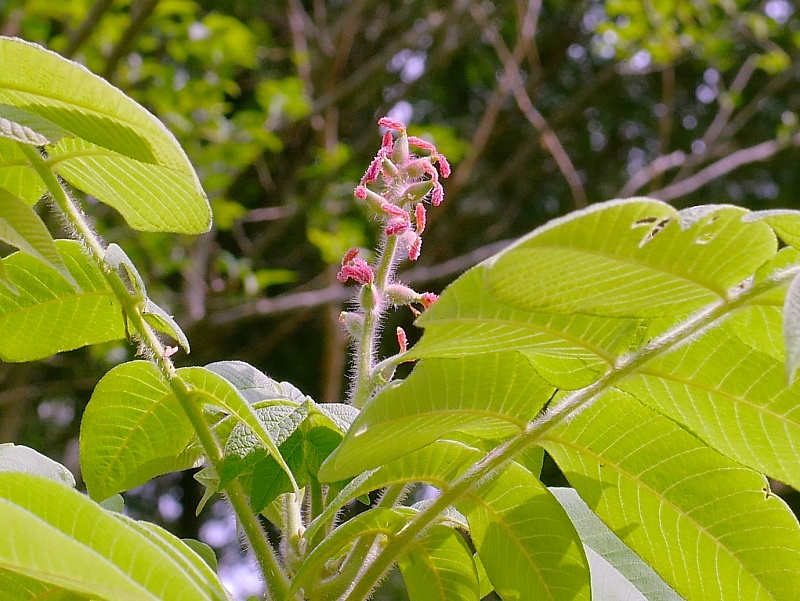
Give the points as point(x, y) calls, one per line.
point(400, 295)
point(352, 322)
point(416, 192)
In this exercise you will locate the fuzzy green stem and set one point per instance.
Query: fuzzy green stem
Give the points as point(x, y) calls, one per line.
point(366, 345)
point(537, 429)
point(276, 578)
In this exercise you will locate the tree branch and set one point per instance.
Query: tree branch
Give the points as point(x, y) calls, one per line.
point(549, 139)
point(337, 293)
point(759, 152)
point(85, 29)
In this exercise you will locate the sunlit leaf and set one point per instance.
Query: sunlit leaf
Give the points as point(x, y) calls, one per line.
point(708, 526)
point(46, 314)
point(132, 430)
point(490, 395)
point(88, 550)
point(17, 458)
point(439, 567)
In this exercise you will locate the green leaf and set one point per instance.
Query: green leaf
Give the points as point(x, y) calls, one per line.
point(630, 258)
point(436, 464)
point(164, 323)
point(29, 128)
point(88, 550)
point(151, 197)
point(18, 587)
point(213, 389)
point(14, 458)
point(730, 395)
point(120, 153)
point(22, 228)
point(243, 449)
point(707, 525)
point(439, 567)
point(377, 521)
point(195, 559)
point(524, 538)
point(48, 315)
point(118, 260)
point(17, 175)
point(132, 430)
point(791, 328)
point(253, 384)
point(614, 567)
point(785, 223)
point(491, 395)
point(569, 351)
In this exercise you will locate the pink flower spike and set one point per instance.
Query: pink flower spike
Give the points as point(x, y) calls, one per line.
point(437, 196)
point(357, 270)
point(350, 255)
point(428, 298)
point(419, 218)
point(360, 192)
point(387, 144)
point(373, 170)
point(393, 210)
point(444, 166)
point(421, 144)
point(415, 249)
point(402, 340)
point(397, 225)
point(390, 123)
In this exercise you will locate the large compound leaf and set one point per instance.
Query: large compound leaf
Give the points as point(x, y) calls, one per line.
point(436, 464)
point(615, 569)
point(212, 389)
point(525, 540)
point(439, 567)
point(631, 258)
point(581, 291)
point(119, 153)
point(54, 534)
point(47, 314)
point(707, 525)
point(732, 396)
point(491, 395)
point(132, 430)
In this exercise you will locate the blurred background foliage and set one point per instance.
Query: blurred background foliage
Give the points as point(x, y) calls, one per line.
point(542, 106)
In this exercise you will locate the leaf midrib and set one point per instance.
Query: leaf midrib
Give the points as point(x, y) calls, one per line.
point(720, 292)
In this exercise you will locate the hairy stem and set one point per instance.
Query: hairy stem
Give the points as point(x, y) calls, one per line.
point(566, 409)
point(276, 578)
point(374, 309)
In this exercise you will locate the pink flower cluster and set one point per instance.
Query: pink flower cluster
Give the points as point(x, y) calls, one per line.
point(403, 176)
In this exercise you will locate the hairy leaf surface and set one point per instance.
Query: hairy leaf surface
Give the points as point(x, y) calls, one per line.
point(707, 525)
point(491, 395)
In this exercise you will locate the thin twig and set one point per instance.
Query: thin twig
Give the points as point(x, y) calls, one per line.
point(753, 154)
point(336, 293)
point(85, 29)
point(649, 172)
point(549, 138)
point(140, 12)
